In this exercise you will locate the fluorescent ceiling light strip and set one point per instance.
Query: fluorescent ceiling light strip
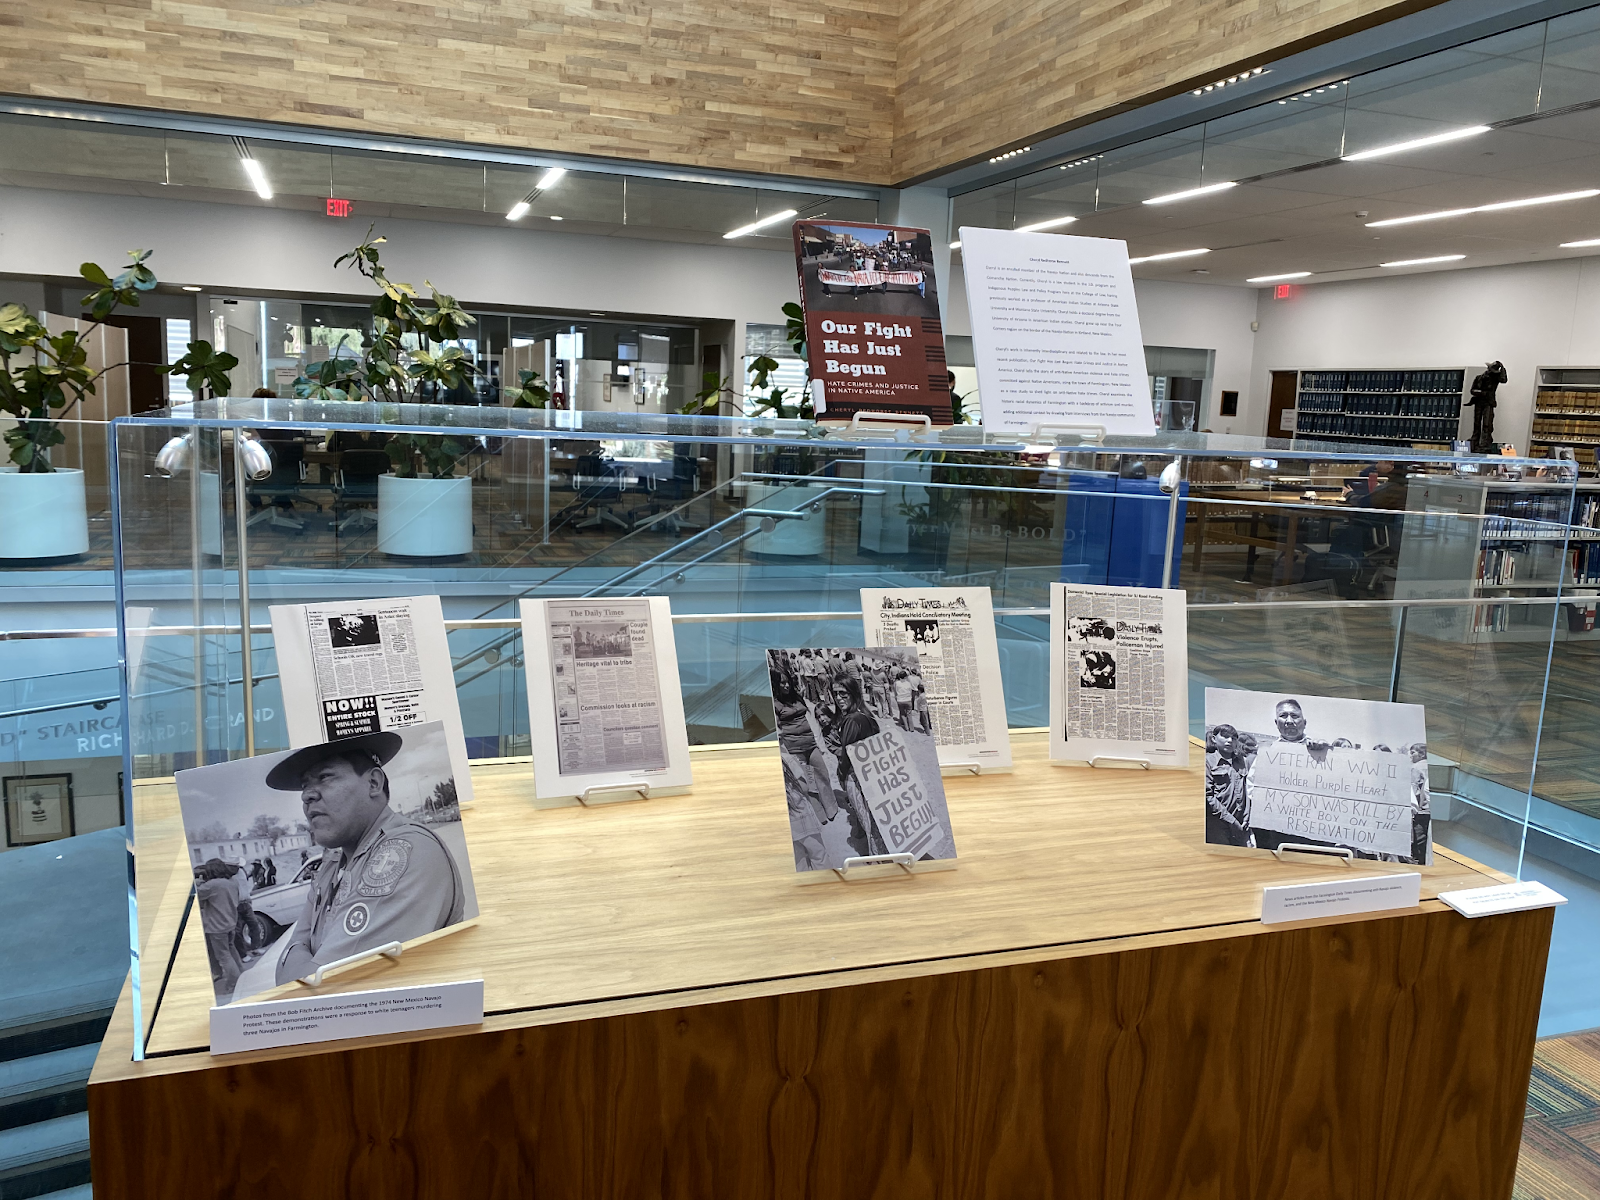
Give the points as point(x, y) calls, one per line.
point(761, 224)
point(550, 178)
point(518, 211)
point(1417, 262)
point(1276, 278)
point(1050, 224)
point(1191, 193)
point(1133, 262)
point(1576, 245)
point(956, 245)
point(258, 177)
point(1499, 207)
point(1417, 143)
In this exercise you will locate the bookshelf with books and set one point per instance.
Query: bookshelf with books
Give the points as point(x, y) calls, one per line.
point(1566, 414)
point(1416, 408)
point(1534, 538)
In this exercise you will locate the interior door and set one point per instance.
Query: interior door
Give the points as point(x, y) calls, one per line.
point(1281, 406)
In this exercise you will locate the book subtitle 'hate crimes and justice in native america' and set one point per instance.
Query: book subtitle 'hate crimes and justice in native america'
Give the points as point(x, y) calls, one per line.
point(873, 336)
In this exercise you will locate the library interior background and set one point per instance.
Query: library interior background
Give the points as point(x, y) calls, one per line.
point(562, 249)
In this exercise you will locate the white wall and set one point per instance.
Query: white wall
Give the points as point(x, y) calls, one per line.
point(1529, 315)
point(267, 249)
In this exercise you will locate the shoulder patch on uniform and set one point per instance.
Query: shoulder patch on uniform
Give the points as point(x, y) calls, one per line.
point(384, 867)
point(356, 918)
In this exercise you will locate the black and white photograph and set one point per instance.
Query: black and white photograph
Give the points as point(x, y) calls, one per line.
point(1287, 770)
point(1090, 629)
point(38, 809)
point(353, 629)
point(609, 639)
point(1097, 669)
point(860, 767)
point(308, 856)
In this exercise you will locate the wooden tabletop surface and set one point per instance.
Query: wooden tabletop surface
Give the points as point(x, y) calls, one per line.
point(643, 905)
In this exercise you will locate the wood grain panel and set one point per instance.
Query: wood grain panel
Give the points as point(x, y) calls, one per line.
point(699, 890)
point(802, 88)
point(975, 76)
point(1369, 1060)
point(876, 91)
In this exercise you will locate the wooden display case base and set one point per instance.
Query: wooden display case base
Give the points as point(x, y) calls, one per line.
point(1195, 1053)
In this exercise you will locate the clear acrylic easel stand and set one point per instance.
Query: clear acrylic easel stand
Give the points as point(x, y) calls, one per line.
point(873, 868)
point(615, 793)
point(391, 951)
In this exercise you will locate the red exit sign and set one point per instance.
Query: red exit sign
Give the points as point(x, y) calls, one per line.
point(338, 208)
point(1282, 292)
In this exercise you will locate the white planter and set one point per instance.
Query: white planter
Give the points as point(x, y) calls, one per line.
point(798, 537)
point(424, 518)
point(43, 516)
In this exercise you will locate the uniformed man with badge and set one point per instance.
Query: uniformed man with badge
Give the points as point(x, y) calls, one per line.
point(383, 878)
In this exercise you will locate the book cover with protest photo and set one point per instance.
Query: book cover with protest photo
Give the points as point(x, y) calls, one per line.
point(1288, 769)
point(873, 335)
point(860, 767)
point(308, 856)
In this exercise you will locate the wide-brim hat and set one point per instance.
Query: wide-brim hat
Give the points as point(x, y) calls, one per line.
point(380, 747)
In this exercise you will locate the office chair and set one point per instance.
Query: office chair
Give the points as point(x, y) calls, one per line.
point(275, 496)
point(356, 489)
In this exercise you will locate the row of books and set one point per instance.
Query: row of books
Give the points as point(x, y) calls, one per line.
point(1353, 425)
point(1586, 563)
point(1491, 618)
point(1384, 404)
point(1531, 514)
point(1496, 566)
point(1568, 401)
point(1573, 427)
point(1382, 381)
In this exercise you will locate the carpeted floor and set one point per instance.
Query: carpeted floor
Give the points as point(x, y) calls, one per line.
point(1561, 1133)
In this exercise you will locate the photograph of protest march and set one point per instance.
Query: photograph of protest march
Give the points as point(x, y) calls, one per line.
point(353, 629)
point(860, 768)
point(1288, 770)
point(843, 263)
point(308, 856)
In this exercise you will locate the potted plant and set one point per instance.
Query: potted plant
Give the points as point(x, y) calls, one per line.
point(424, 508)
point(43, 377)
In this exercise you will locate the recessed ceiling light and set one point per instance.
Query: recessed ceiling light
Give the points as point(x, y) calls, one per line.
point(956, 245)
point(518, 211)
point(1417, 262)
point(191, 287)
point(1050, 224)
point(1191, 193)
point(550, 178)
point(1276, 278)
point(1481, 208)
point(1169, 254)
point(761, 224)
point(1417, 143)
point(553, 217)
point(1576, 245)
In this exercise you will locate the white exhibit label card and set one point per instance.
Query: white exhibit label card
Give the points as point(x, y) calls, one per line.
point(604, 703)
point(1340, 897)
point(952, 631)
point(1503, 898)
point(364, 666)
point(1055, 332)
point(1119, 674)
point(296, 1022)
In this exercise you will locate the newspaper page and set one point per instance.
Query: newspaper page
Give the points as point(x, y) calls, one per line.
point(607, 693)
point(368, 666)
point(1119, 674)
point(368, 671)
point(952, 631)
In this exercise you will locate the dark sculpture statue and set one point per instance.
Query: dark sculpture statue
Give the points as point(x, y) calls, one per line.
point(1483, 404)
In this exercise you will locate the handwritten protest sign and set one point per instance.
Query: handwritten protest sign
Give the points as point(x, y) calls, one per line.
point(904, 805)
point(1355, 798)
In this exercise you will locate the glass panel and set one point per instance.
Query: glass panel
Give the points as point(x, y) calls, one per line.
point(669, 204)
point(1154, 167)
point(1571, 60)
point(1275, 137)
point(1058, 192)
point(989, 208)
point(1476, 84)
point(33, 145)
point(407, 179)
point(583, 196)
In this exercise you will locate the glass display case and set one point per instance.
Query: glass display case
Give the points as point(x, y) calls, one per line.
point(1334, 570)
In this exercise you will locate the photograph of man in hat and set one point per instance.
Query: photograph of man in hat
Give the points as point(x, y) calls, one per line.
point(357, 842)
point(384, 878)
